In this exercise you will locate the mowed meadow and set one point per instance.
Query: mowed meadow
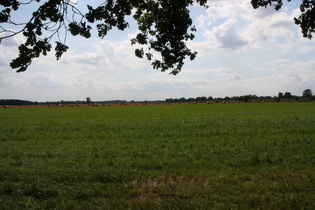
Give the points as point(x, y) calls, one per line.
point(204, 156)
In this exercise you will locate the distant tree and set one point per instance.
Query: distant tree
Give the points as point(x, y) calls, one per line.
point(307, 93)
point(190, 99)
point(280, 95)
point(88, 100)
point(243, 98)
point(277, 99)
point(203, 98)
point(15, 102)
point(182, 99)
point(287, 95)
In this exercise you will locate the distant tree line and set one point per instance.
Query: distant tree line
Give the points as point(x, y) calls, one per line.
point(88, 101)
point(307, 94)
point(198, 99)
point(219, 99)
point(16, 102)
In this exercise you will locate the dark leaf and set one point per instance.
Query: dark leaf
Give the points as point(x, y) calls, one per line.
point(60, 49)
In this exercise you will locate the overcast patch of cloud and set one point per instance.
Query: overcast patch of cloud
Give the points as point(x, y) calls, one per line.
point(3, 60)
point(270, 29)
point(172, 87)
point(233, 25)
point(227, 37)
point(86, 58)
point(235, 77)
point(104, 59)
point(208, 70)
point(9, 49)
point(12, 41)
point(211, 75)
point(291, 76)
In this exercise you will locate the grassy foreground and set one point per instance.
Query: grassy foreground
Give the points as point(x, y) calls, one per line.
point(231, 156)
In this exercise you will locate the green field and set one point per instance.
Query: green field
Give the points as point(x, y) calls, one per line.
point(218, 156)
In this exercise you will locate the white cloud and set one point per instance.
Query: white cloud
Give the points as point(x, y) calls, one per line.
point(291, 76)
point(103, 59)
point(235, 77)
point(9, 49)
point(12, 41)
point(227, 37)
point(233, 25)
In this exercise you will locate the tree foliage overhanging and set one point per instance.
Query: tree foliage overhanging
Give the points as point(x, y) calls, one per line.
point(164, 27)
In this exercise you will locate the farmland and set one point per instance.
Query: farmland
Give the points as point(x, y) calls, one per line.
point(205, 156)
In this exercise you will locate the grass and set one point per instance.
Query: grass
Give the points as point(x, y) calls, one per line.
point(231, 156)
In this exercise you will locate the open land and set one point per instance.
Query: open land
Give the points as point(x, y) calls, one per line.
point(205, 156)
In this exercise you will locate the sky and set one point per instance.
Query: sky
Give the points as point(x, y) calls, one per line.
point(241, 51)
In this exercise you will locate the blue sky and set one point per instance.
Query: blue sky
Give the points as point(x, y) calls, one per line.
point(240, 51)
